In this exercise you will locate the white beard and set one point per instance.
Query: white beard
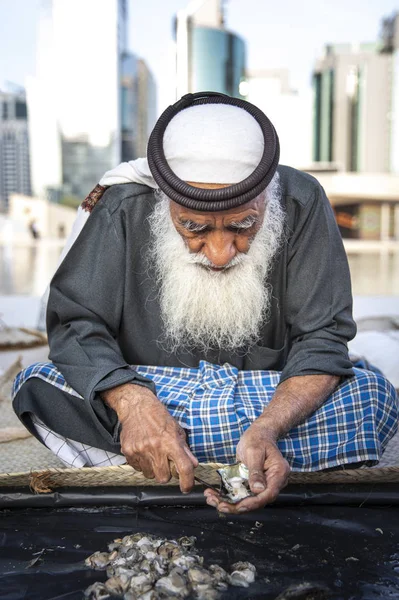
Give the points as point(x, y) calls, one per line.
point(204, 309)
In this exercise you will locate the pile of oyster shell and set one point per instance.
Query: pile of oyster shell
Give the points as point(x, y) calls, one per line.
point(145, 567)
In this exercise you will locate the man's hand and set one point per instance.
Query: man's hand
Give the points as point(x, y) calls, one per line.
point(151, 440)
point(268, 470)
point(294, 400)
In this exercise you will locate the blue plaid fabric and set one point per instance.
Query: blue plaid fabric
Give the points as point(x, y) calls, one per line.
point(216, 404)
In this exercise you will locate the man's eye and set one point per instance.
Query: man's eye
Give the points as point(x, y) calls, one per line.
point(243, 226)
point(237, 229)
point(194, 227)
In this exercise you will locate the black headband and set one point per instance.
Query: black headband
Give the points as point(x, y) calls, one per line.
point(223, 198)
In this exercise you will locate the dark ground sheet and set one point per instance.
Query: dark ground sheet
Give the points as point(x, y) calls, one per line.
point(353, 550)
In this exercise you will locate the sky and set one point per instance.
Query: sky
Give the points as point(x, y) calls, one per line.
point(283, 34)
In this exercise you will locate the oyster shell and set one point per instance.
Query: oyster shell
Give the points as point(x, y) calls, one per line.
point(199, 576)
point(169, 549)
point(117, 585)
point(97, 591)
point(174, 584)
point(151, 595)
point(144, 567)
point(218, 573)
point(187, 542)
point(220, 577)
point(242, 574)
point(235, 486)
point(204, 592)
point(186, 561)
point(305, 591)
point(98, 560)
point(139, 584)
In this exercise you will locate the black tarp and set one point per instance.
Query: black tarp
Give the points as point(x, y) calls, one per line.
point(344, 537)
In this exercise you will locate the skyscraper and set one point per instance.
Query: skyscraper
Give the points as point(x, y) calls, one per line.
point(129, 106)
point(289, 111)
point(146, 101)
point(83, 100)
point(356, 107)
point(208, 56)
point(14, 147)
point(138, 106)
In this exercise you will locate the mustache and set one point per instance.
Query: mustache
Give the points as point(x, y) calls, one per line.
point(201, 259)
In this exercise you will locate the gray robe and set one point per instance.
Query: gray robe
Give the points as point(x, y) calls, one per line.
point(104, 315)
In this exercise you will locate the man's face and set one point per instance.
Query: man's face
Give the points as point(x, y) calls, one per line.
point(219, 236)
point(211, 269)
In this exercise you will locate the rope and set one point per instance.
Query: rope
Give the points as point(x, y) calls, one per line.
point(124, 475)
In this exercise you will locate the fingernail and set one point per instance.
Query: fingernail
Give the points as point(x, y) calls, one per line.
point(212, 502)
point(242, 509)
point(223, 510)
point(258, 486)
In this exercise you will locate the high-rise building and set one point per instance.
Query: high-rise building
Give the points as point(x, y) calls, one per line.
point(146, 102)
point(83, 102)
point(14, 147)
point(356, 104)
point(130, 108)
point(138, 106)
point(289, 111)
point(208, 56)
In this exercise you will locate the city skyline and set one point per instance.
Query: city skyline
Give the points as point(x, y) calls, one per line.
point(292, 38)
point(14, 147)
point(73, 139)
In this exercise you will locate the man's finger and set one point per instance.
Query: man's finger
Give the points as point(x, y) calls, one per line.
point(161, 469)
point(146, 468)
point(254, 461)
point(277, 478)
point(212, 498)
point(133, 462)
point(185, 468)
point(173, 469)
point(191, 456)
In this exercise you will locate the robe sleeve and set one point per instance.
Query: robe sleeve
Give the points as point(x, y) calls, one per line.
point(85, 307)
point(318, 303)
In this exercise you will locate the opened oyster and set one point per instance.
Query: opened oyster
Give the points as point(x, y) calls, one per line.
point(235, 485)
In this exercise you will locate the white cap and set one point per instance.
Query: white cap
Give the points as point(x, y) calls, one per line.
point(213, 143)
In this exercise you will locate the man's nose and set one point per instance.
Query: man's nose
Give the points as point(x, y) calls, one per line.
point(219, 248)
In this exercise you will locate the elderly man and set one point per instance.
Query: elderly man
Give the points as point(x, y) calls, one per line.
point(203, 313)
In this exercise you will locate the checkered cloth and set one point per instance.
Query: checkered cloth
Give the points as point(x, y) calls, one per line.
point(216, 404)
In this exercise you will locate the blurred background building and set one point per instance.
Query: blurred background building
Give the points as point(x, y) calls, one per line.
point(146, 102)
point(356, 104)
point(289, 111)
point(85, 114)
point(356, 134)
point(138, 106)
point(208, 56)
point(14, 146)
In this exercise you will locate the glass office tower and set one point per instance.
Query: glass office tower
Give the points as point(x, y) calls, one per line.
point(217, 61)
point(208, 56)
point(74, 100)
